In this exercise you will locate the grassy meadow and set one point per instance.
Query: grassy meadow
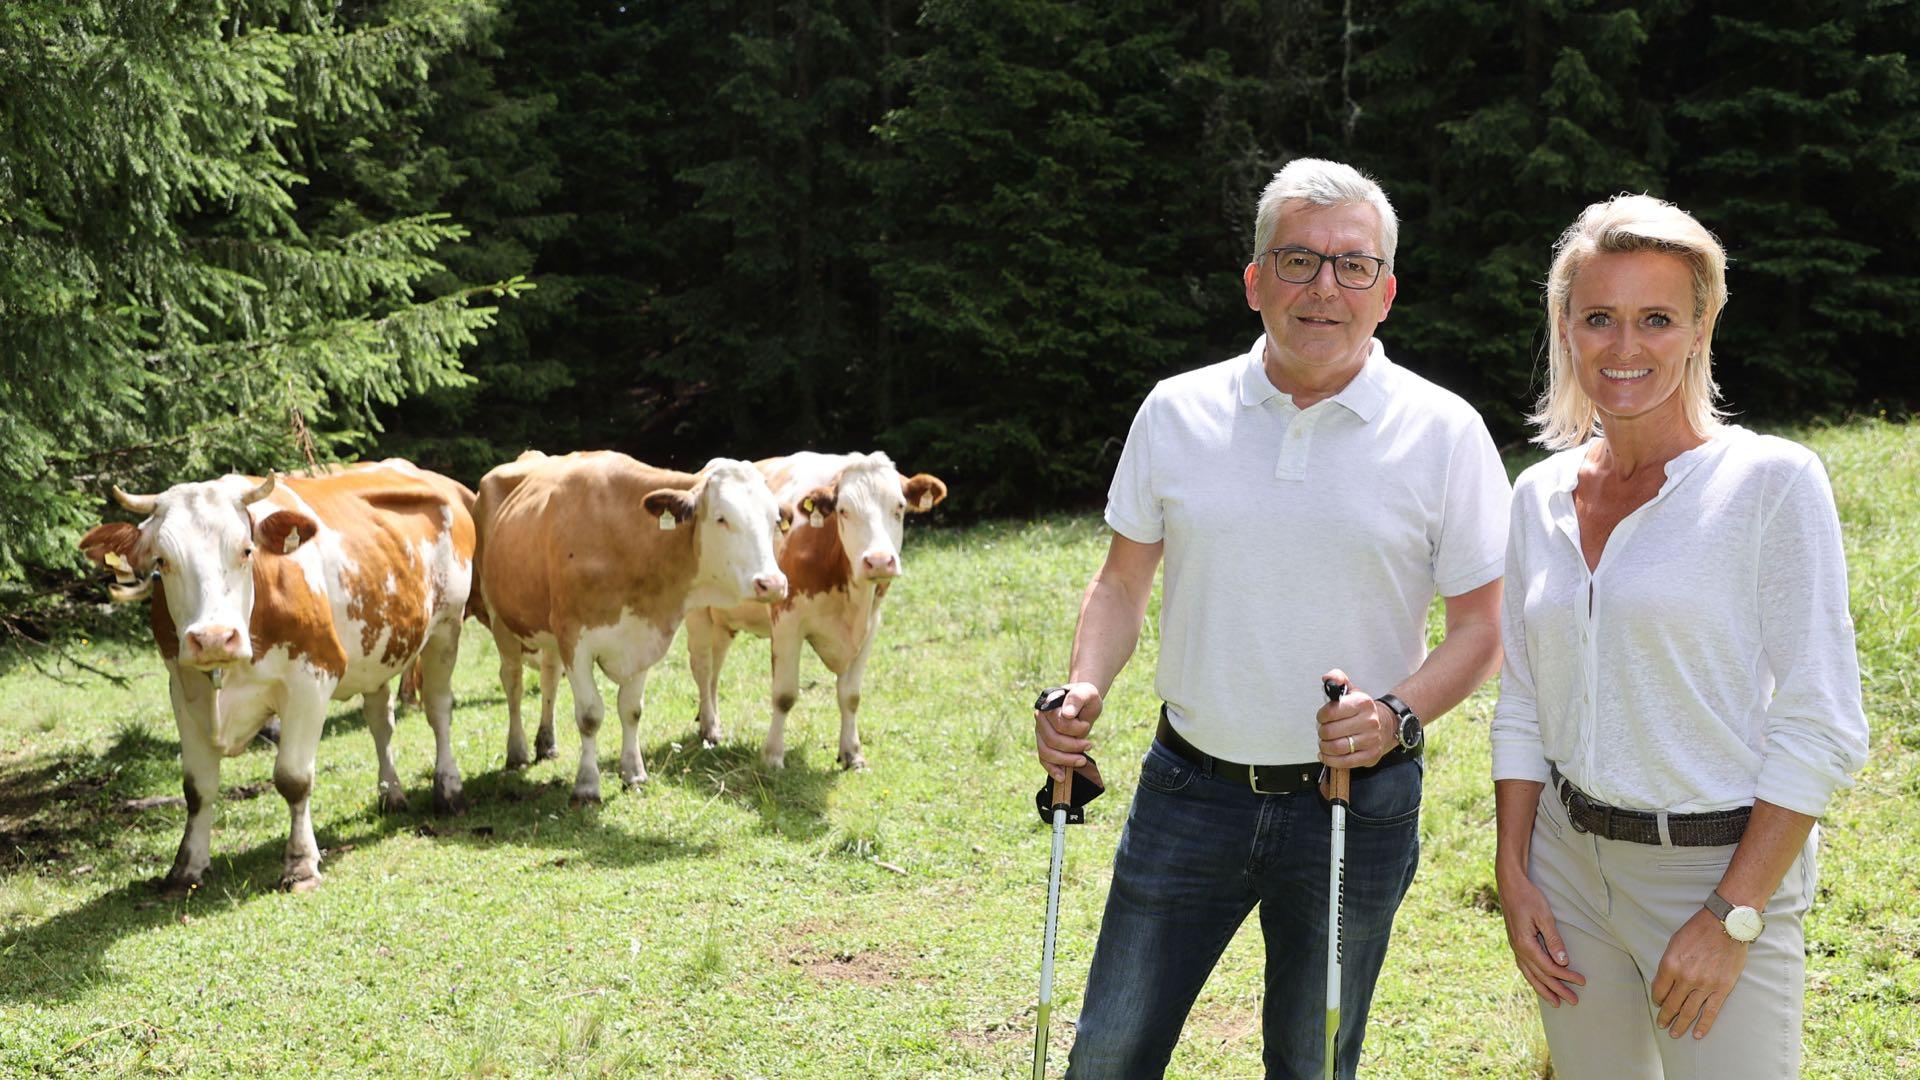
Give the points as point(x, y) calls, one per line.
point(725, 921)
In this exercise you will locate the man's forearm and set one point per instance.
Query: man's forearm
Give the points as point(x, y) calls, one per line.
point(1111, 614)
point(1467, 656)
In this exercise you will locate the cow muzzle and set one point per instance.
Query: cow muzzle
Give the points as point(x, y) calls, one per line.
point(209, 647)
point(770, 588)
point(879, 566)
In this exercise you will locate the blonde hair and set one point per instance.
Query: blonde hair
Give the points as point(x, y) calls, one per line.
point(1565, 415)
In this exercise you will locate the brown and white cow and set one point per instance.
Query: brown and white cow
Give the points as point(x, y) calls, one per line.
point(595, 558)
point(840, 558)
point(275, 597)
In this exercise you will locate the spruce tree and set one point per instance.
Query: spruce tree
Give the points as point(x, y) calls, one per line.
point(1803, 126)
point(172, 308)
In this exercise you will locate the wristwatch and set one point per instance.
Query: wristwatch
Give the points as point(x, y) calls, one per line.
point(1741, 923)
point(1410, 732)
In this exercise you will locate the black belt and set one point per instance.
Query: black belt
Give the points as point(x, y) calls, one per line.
point(1714, 829)
point(1266, 779)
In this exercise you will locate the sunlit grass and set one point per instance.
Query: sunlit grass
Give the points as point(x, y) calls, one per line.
point(727, 921)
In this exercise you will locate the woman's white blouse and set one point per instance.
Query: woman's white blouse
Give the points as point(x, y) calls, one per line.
point(1708, 660)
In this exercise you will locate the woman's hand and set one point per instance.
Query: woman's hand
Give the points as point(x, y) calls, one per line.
point(1535, 940)
point(1696, 974)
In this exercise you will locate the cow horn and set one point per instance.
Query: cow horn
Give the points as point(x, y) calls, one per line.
point(139, 504)
point(128, 594)
point(265, 489)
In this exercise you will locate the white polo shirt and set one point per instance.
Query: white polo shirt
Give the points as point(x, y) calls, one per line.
point(1708, 660)
point(1301, 540)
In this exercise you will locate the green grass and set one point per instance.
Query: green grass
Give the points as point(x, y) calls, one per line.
point(729, 922)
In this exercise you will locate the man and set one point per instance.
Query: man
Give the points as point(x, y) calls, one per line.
point(1310, 497)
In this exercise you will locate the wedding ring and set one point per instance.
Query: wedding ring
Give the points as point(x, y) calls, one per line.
point(1349, 744)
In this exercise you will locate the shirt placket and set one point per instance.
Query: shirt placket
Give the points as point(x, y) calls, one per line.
point(1591, 612)
point(1585, 618)
point(1298, 443)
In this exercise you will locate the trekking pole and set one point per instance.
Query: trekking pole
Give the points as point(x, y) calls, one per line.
point(1338, 790)
point(1062, 801)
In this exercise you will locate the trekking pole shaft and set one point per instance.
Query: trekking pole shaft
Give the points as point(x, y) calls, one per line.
point(1339, 789)
point(1062, 798)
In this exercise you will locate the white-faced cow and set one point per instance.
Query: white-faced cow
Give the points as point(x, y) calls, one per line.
point(276, 597)
point(595, 558)
point(843, 553)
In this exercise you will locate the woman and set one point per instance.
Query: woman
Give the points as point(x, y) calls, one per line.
point(1681, 696)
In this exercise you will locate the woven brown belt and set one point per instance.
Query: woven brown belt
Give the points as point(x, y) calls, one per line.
point(1265, 779)
point(1714, 829)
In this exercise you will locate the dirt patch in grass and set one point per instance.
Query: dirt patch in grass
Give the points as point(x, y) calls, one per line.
point(862, 967)
point(1223, 1027)
point(869, 968)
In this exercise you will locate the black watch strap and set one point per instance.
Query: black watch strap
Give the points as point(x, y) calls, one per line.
point(1408, 732)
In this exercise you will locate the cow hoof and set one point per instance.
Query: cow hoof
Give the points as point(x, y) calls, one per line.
point(518, 760)
point(454, 804)
point(578, 800)
point(774, 761)
point(854, 762)
point(393, 801)
point(305, 882)
point(173, 887)
point(631, 783)
point(543, 748)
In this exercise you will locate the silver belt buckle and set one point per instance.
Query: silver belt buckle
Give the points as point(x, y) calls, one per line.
point(1253, 781)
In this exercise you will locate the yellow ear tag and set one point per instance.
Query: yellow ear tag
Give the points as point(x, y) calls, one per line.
point(666, 523)
point(122, 569)
point(926, 502)
point(293, 541)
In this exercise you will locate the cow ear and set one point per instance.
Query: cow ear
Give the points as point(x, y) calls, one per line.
point(817, 504)
point(670, 505)
point(110, 547)
point(786, 519)
point(283, 531)
point(924, 491)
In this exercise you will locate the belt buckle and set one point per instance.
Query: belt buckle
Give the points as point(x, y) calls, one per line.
point(1253, 781)
point(1575, 803)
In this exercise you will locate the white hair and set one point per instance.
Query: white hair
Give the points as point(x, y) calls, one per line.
point(1318, 182)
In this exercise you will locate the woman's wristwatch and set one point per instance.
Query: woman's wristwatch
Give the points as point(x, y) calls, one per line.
point(1741, 923)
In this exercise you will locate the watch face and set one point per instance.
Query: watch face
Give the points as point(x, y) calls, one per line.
point(1410, 733)
point(1743, 924)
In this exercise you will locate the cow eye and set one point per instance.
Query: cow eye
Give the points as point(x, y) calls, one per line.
point(246, 553)
point(160, 564)
point(721, 520)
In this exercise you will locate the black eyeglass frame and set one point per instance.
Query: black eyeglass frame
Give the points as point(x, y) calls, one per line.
point(1321, 259)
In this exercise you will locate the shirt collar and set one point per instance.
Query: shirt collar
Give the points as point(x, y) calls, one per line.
point(1363, 396)
point(1676, 470)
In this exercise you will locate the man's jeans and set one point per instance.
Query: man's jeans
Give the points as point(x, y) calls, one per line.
point(1197, 855)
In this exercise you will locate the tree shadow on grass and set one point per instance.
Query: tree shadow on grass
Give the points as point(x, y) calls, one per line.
point(56, 810)
point(59, 958)
point(53, 807)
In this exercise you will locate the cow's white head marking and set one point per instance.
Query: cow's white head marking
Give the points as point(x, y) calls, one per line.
point(736, 521)
point(198, 545)
point(869, 502)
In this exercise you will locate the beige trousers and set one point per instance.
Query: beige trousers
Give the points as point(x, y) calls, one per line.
point(1616, 904)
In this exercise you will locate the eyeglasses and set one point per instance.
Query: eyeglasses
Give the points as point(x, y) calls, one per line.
point(1351, 269)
